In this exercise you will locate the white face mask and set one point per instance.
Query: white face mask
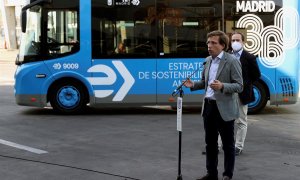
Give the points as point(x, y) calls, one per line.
point(236, 46)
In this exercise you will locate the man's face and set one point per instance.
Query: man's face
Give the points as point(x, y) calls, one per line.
point(237, 38)
point(214, 47)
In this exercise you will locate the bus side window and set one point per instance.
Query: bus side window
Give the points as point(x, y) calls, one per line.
point(123, 24)
point(62, 33)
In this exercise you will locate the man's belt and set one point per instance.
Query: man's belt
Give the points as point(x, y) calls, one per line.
point(210, 101)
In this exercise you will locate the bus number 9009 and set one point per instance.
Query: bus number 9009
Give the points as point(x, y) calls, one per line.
point(70, 66)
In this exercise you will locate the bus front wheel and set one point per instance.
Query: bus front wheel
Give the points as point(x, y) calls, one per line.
point(68, 97)
point(261, 98)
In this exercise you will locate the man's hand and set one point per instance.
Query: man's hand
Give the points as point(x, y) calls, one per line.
point(216, 85)
point(188, 83)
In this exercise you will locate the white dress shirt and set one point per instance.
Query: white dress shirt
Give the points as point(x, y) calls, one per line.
point(212, 75)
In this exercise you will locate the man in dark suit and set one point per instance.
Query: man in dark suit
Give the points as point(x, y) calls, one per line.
point(222, 80)
point(251, 73)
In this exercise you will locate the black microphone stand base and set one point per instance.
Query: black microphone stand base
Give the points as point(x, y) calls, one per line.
point(179, 177)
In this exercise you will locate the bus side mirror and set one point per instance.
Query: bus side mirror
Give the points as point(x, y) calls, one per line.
point(23, 20)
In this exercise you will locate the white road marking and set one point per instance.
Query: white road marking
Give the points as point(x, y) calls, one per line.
point(19, 146)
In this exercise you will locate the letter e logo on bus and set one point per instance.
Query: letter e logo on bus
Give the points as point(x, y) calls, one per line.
point(110, 79)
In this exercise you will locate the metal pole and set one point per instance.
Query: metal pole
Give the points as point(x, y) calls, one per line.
point(179, 177)
point(223, 18)
point(179, 128)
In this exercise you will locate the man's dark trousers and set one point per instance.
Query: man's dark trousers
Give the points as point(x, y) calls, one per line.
point(214, 125)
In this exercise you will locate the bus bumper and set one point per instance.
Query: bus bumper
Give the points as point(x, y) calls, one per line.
point(31, 100)
point(284, 99)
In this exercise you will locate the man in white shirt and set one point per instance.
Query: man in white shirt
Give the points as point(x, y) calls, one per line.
point(222, 80)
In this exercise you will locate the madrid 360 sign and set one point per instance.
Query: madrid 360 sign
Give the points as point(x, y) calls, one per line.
point(271, 42)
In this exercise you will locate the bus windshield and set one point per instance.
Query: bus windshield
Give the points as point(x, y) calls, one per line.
point(30, 42)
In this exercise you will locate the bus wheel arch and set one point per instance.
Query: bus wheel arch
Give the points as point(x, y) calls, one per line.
point(262, 95)
point(68, 96)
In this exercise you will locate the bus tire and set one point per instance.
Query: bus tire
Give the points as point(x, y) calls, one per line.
point(68, 97)
point(261, 98)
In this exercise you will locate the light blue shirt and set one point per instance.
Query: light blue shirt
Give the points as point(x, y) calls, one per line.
point(212, 75)
point(238, 54)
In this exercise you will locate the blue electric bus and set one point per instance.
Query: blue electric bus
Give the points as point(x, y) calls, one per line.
point(136, 52)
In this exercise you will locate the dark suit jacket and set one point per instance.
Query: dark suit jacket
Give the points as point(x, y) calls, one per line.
point(251, 73)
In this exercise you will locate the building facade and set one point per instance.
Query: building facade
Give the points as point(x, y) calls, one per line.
point(10, 22)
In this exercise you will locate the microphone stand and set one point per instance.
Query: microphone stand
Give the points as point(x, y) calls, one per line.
point(179, 91)
point(179, 128)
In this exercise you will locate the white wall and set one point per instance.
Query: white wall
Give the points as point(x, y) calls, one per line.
point(8, 12)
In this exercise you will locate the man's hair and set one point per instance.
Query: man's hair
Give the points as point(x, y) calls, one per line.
point(236, 32)
point(223, 38)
